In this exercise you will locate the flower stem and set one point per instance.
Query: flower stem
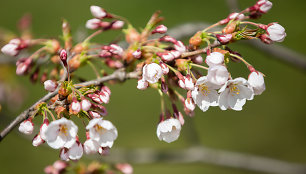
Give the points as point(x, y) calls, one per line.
point(240, 58)
point(199, 66)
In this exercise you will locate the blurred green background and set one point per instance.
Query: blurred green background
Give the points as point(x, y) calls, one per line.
point(272, 125)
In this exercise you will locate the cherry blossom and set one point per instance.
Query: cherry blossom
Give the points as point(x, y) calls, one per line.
point(234, 93)
point(276, 32)
point(50, 85)
point(217, 75)
point(98, 12)
point(214, 59)
point(26, 127)
point(205, 94)
point(169, 130)
point(142, 84)
point(61, 133)
point(102, 131)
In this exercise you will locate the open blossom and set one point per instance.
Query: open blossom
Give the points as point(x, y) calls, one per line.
point(152, 72)
point(256, 81)
point(217, 75)
point(61, 133)
point(26, 127)
point(50, 85)
point(264, 6)
point(98, 12)
point(234, 94)
point(169, 130)
point(276, 32)
point(142, 84)
point(214, 59)
point(75, 152)
point(102, 131)
point(205, 94)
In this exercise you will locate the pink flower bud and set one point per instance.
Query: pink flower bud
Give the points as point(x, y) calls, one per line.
point(117, 25)
point(43, 129)
point(189, 104)
point(182, 84)
point(23, 65)
point(63, 57)
point(60, 165)
point(180, 47)
point(98, 12)
point(93, 24)
point(168, 39)
point(264, 6)
point(104, 97)
point(167, 56)
point(165, 68)
point(265, 38)
point(116, 49)
point(175, 53)
point(181, 118)
point(26, 127)
point(106, 89)
point(86, 104)
point(50, 85)
point(64, 154)
point(225, 38)
point(105, 54)
point(189, 85)
point(142, 84)
point(161, 29)
point(94, 114)
point(137, 54)
point(276, 32)
point(214, 59)
point(37, 140)
point(95, 98)
point(257, 82)
point(125, 168)
point(10, 49)
point(236, 16)
point(75, 106)
point(198, 59)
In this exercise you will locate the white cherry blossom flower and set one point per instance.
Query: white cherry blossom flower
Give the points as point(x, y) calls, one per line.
point(214, 59)
point(26, 127)
point(264, 5)
point(91, 146)
point(98, 12)
point(75, 152)
point(169, 130)
point(205, 94)
point(61, 133)
point(152, 72)
point(234, 94)
point(102, 131)
point(276, 32)
point(217, 75)
point(257, 82)
point(142, 84)
point(43, 129)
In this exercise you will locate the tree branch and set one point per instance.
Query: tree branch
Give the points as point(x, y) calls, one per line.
point(117, 75)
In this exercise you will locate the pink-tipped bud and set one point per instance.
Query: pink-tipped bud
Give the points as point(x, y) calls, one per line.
point(43, 128)
point(181, 118)
point(23, 65)
point(75, 106)
point(64, 154)
point(224, 38)
point(104, 96)
point(161, 29)
point(180, 47)
point(264, 6)
point(37, 140)
point(116, 49)
point(86, 104)
point(117, 25)
point(168, 39)
point(10, 49)
point(95, 98)
point(63, 57)
point(189, 85)
point(93, 24)
point(137, 54)
point(26, 127)
point(94, 114)
point(189, 104)
point(167, 56)
point(105, 54)
point(50, 85)
point(106, 89)
point(181, 83)
point(164, 67)
point(198, 59)
point(60, 165)
point(98, 12)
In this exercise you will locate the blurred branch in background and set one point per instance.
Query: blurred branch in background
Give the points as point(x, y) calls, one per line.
point(206, 155)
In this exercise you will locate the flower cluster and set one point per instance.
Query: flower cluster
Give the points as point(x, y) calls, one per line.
point(159, 61)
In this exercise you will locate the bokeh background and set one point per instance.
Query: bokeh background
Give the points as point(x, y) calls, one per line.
point(272, 125)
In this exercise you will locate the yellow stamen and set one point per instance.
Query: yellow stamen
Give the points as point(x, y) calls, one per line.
point(234, 89)
point(100, 129)
point(204, 89)
point(63, 129)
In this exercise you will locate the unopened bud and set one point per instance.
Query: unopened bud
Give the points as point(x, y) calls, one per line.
point(98, 12)
point(63, 56)
point(161, 29)
point(50, 85)
point(117, 25)
point(137, 54)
